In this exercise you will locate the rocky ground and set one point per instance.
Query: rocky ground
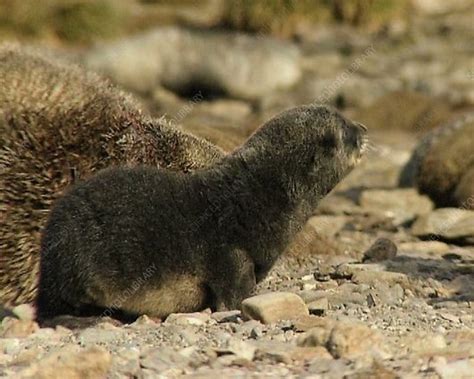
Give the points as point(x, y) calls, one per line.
point(384, 290)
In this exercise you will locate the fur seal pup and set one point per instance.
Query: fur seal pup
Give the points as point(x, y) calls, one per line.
point(442, 163)
point(57, 122)
point(149, 241)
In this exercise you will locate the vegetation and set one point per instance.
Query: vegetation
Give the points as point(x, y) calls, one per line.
point(69, 20)
point(85, 21)
point(284, 17)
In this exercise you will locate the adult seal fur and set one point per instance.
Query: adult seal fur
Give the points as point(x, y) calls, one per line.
point(180, 243)
point(58, 123)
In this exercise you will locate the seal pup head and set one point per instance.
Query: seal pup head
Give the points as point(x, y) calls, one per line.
point(311, 147)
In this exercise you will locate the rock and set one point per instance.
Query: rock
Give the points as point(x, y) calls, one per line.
point(10, 346)
point(425, 343)
point(143, 321)
point(360, 92)
point(453, 370)
point(90, 363)
point(318, 307)
point(163, 360)
point(186, 60)
point(429, 248)
point(12, 327)
point(287, 354)
point(24, 312)
point(93, 336)
point(401, 205)
point(197, 318)
point(405, 110)
point(372, 277)
point(272, 307)
point(347, 270)
point(381, 250)
point(380, 168)
point(346, 340)
point(350, 340)
point(226, 316)
point(440, 162)
point(447, 223)
point(241, 349)
point(337, 205)
point(226, 109)
point(437, 7)
point(327, 225)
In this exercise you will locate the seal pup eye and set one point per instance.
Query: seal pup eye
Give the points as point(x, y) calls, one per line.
point(329, 140)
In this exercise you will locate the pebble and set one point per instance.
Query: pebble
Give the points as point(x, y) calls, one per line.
point(273, 307)
point(227, 316)
point(381, 250)
point(197, 318)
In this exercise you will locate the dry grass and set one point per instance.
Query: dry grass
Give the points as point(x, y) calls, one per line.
point(77, 21)
point(284, 17)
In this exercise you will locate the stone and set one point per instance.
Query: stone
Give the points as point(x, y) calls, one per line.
point(68, 363)
point(163, 360)
point(12, 327)
point(347, 270)
point(425, 343)
point(352, 340)
point(226, 316)
point(345, 340)
point(197, 318)
point(234, 64)
point(275, 306)
point(447, 223)
point(372, 277)
point(319, 306)
point(228, 110)
point(454, 370)
point(93, 336)
point(401, 205)
point(281, 352)
point(381, 250)
point(337, 205)
point(437, 7)
point(24, 312)
point(327, 225)
point(428, 248)
point(239, 348)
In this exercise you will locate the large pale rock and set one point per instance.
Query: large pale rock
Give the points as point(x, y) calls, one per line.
point(436, 7)
point(447, 223)
point(186, 60)
point(399, 204)
point(272, 307)
point(86, 364)
point(346, 340)
point(12, 327)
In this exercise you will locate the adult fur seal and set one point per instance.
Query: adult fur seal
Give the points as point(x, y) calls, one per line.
point(59, 122)
point(181, 243)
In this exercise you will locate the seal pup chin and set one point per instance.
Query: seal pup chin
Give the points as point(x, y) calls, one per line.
point(210, 235)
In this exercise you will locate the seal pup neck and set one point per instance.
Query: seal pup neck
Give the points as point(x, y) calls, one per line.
point(301, 153)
